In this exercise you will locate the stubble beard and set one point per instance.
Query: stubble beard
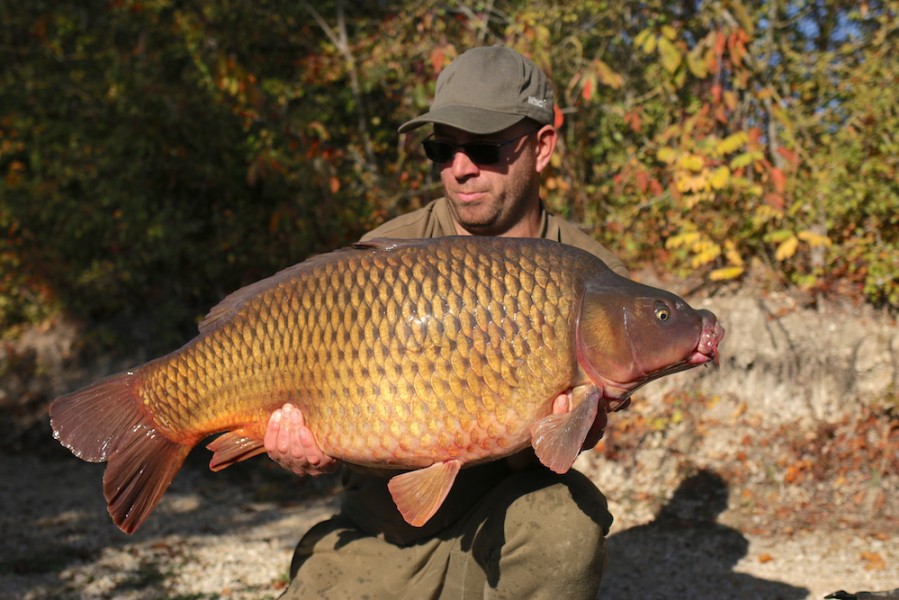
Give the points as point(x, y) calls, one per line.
point(481, 218)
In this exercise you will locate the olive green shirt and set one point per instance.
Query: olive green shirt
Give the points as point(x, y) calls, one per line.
point(435, 220)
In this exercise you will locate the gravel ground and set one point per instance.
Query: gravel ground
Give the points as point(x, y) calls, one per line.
point(231, 536)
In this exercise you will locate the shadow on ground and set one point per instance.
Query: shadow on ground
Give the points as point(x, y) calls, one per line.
point(685, 553)
point(54, 521)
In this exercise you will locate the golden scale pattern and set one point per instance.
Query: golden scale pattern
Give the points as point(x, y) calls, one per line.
point(392, 356)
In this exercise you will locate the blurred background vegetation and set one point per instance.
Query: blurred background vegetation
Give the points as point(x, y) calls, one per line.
point(156, 155)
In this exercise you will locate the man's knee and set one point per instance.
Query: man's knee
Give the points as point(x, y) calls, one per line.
point(564, 513)
point(551, 533)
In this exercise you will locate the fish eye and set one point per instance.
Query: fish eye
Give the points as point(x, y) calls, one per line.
point(663, 313)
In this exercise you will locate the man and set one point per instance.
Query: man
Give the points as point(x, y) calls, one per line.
point(510, 528)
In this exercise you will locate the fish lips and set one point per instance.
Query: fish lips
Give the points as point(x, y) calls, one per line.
point(709, 338)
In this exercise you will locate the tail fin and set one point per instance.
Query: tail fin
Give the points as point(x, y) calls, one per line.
point(106, 422)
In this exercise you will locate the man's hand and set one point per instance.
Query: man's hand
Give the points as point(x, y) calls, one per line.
point(292, 445)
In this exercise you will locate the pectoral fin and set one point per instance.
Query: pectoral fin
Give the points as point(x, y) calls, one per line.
point(418, 494)
point(558, 439)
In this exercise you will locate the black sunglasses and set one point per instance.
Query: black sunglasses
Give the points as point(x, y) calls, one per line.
point(480, 153)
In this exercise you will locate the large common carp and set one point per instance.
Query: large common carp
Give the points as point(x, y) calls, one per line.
point(422, 355)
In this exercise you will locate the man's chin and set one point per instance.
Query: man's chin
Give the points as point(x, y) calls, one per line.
point(475, 221)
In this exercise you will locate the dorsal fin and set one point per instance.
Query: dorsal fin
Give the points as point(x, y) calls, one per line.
point(223, 310)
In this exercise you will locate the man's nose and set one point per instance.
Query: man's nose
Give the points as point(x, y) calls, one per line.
point(462, 166)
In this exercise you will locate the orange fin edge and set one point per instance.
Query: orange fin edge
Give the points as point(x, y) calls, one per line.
point(233, 447)
point(138, 475)
point(557, 439)
point(419, 494)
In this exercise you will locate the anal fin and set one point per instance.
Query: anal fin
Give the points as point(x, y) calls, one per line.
point(419, 494)
point(235, 446)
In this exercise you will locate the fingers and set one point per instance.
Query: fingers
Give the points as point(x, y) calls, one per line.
point(562, 403)
point(291, 444)
point(295, 446)
point(272, 432)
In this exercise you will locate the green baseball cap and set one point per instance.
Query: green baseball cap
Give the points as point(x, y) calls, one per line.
point(487, 89)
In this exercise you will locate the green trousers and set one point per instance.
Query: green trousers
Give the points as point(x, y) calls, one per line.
point(501, 534)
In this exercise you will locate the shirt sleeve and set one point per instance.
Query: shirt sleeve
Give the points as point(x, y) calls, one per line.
point(569, 233)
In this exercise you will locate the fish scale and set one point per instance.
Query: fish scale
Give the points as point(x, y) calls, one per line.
point(425, 355)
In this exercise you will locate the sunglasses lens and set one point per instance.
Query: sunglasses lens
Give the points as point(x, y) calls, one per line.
point(439, 152)
point(442, 152)
point(482, 154)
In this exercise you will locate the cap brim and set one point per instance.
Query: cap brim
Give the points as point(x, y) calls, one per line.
point(467, 118)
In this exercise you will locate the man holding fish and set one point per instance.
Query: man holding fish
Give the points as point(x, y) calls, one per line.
point(509, 528)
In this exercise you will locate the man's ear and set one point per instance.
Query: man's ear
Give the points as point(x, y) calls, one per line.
point(547, 137)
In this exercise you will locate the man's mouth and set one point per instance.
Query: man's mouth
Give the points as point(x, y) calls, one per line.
point(469, 196)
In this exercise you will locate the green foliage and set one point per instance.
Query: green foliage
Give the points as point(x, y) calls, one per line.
point(156, 155)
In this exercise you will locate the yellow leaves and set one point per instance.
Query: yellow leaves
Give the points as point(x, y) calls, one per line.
point(813, 239)
point(787, 248)
point(720, 178)
point(690, 184)
point(788, 242)
point(697, 62)
point(764, 213)
point(696, 172)
point(745, 159)
point(682, 239)
point(700, 60)
point(607, 76)
point(646, 41)
point(735, 266)
point(703, 249)
point(669, 55)
point(726, 273)
point(733, 142)
point(691, 172)
point(730, 100)
point(705, 252)
point(667, 155)
point(662, 42)
point(691, 162)
point(733, 256)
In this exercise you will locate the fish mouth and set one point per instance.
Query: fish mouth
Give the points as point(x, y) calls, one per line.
point(707, 347)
